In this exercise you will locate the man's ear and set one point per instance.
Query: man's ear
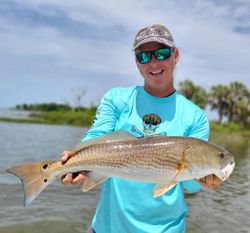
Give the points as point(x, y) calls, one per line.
point(176, 55)
point(137, 63)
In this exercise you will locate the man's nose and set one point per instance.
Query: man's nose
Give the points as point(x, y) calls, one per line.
point(154, 61)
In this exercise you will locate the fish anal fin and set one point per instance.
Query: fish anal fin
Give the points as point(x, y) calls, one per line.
point(120, 135)
point(93, 179)
point(160, 189)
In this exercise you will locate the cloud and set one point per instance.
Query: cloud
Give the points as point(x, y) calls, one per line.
point(58, 45)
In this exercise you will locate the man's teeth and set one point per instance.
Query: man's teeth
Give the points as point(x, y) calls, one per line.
point(155, 72)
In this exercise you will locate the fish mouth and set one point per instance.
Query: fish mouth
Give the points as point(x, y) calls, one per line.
point(227, 170)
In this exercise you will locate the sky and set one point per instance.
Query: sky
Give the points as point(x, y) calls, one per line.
point(53, 50)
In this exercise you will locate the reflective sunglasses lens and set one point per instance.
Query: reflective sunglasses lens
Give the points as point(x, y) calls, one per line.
point(162, 54)
point(143, 57)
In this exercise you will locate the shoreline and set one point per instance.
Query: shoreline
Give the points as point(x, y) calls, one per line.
point(72, 118)
point(42, 119)
point(85, 119)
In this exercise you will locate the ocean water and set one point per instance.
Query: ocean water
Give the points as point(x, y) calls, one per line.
point(13, 113)
point(66, 209)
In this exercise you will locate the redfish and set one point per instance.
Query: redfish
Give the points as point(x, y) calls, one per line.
point(158, 159)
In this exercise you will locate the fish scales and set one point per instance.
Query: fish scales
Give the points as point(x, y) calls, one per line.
point(154, 155)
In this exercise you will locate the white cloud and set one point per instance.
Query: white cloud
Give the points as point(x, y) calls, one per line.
point(55, 40)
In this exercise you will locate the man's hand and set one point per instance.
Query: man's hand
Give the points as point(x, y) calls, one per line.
point(210, 181)
point(75, 178)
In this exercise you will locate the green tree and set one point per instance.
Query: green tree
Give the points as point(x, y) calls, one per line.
point(241, 112)
point(238, 100)
point(218, 100)
point(239, 103)
point(193, 92)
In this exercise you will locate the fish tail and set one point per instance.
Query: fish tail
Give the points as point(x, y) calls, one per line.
point(35, 177)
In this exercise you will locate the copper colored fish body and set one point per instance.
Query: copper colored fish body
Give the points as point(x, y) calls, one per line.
point(160, 160)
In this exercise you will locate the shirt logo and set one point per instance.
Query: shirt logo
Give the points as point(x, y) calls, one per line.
point(150, 123)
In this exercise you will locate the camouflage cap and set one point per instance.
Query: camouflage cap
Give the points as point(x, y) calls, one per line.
point(155, 33)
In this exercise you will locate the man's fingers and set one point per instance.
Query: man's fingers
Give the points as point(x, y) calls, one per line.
point(210, 181)
point(79, 178)
point(67, 179)
point(216, 181)
point(74, 178)
point(66, 155)
point(203, 180)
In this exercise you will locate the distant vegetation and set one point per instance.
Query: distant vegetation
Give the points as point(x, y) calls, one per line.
point(79, 117)
point(48, 107)
point(53, 113)
point(232, 102)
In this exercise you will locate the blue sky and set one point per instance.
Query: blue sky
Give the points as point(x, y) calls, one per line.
point(51, 50)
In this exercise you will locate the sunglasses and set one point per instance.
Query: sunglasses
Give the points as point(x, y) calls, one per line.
point(160, 54)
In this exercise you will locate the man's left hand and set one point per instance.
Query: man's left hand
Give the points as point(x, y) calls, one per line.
point(210, 181)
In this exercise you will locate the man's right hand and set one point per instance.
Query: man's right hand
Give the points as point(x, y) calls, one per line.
point(76, 178)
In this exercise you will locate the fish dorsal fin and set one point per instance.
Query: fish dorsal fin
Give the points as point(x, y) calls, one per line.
point(160, 188)
point(120, 135)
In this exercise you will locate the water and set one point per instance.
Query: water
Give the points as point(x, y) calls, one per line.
point(13, 113)
point(66, 209)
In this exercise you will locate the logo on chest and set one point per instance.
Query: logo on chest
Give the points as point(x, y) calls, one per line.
point(150, 123)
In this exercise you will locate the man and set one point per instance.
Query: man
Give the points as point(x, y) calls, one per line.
point(154, 109)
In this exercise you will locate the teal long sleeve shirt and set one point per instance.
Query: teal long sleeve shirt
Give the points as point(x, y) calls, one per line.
point(128, 206)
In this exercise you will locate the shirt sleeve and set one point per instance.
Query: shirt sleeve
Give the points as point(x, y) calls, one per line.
point(105, 119)
point(200, 129)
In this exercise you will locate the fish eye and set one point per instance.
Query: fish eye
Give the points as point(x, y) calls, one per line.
point(221, 155)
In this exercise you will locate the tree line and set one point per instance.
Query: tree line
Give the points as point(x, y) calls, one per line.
point(50, 107)
point(231, 102)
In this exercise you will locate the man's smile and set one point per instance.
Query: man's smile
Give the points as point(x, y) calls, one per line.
point(156, 72)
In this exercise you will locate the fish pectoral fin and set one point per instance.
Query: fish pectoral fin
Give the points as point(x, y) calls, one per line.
point(93, 179)
point(120, 135)
point(160, 188)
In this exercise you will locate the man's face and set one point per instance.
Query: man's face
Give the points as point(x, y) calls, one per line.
point(158, 75)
